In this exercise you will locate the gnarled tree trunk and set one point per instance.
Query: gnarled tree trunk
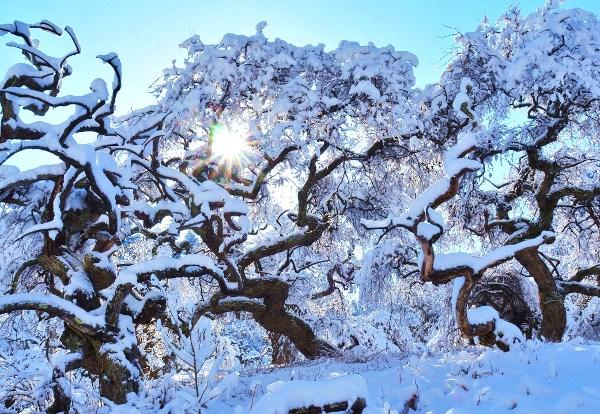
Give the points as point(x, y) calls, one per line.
point(265, 300)
point(554, 315)
point(117, 377)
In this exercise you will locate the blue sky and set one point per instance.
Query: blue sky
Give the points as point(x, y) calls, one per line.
point(146, 33)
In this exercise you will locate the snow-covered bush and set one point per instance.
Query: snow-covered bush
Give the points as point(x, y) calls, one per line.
point(25, 381)
point(200, 357)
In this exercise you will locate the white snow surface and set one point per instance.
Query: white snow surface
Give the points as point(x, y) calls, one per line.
point(283, 396)
point(482, 314)
point(534, 377)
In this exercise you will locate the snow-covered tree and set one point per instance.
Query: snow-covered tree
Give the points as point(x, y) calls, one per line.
point(183, 190)
point(284, 134)
point(68, 212)
point(298, 189)
point(523, 169)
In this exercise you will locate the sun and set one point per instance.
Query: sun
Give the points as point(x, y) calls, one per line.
point(230, 144)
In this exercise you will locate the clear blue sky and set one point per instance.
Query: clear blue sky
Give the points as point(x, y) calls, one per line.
point(146, 33)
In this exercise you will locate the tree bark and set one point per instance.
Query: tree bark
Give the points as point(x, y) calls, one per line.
point(62, 398)
point(265, 300)
point(484, 331)
point(118, 373)
point(554, 316)
point(282, 349)
point(117, 380)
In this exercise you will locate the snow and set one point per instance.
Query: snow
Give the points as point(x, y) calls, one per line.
point(32, 175)
point(79, 282)
point(76, 200)
point(125, 341)
point(427, 230)
point(61, 361)
point(113, 59)
point(479, 264)
point(456, 166)
point(435, 218)
point(367, 88)
point(458, 102)
point(505, 331)
point(238, 299)
point(482, 314)
point(462, 101)
point(234, 205)
point(283, 396)
point(26, 300)
point(453, 161)
point(174, 208)
point(166, 263)
point(534, 377)
point(508, 332)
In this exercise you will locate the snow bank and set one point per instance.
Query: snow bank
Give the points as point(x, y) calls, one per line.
point(283, 396)
point(505, 331)
point(482, 314)
point(534, 377)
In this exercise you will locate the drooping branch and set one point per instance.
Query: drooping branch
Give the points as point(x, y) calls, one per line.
point(265, 300)
point(73, 315)
point(568, 287)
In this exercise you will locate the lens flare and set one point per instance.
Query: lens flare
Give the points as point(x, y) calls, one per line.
point(230, 144)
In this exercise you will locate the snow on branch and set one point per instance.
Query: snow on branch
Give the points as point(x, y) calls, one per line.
point(455, 166)
point(41, 173)
point(75, 316)
point(478, 265)
point(191, 265)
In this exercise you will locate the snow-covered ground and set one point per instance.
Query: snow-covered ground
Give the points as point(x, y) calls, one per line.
point(533, 378)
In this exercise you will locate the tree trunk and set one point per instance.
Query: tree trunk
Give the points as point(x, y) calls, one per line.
point(484, 331)
point(298, 332)
point(282, 349)
point(117, 372)
point(265, 300)
point(554, 316)
point(117, 380)
point(62, 398)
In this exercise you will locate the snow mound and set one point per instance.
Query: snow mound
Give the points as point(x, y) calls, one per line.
point(283, 396)
point(534, 377)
